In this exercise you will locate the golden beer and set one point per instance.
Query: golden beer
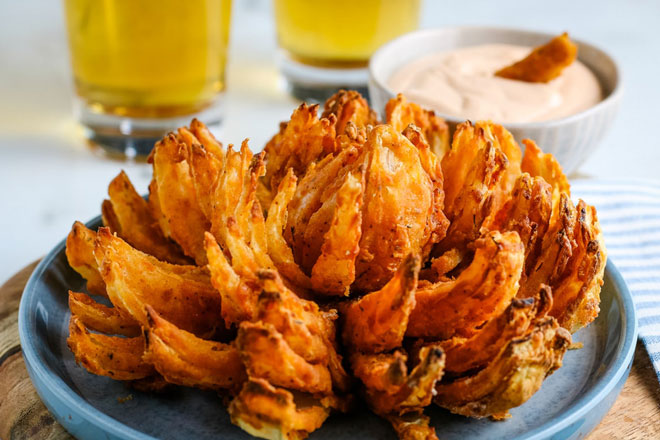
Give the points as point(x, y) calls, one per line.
point(148, 58)
point(341, 33)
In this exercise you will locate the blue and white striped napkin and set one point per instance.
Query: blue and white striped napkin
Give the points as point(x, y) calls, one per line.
point(629, 213)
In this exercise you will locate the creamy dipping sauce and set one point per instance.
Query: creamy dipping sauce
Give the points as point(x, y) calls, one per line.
point(462, 83)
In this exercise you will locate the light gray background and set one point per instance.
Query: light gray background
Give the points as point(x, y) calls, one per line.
point(49, 178)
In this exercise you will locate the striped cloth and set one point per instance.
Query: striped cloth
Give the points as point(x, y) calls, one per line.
point(629, 213)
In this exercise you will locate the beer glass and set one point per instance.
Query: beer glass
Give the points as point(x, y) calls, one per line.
point(326, 45)
point(143, 67)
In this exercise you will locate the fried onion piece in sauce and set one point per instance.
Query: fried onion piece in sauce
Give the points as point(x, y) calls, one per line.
point(544, 63)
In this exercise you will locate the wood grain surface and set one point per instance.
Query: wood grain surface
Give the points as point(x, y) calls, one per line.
point(635, 415)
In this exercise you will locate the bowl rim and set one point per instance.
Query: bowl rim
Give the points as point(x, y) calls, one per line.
point(55, 393)
point(611, 98)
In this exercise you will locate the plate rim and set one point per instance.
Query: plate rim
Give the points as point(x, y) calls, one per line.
point(45, 379)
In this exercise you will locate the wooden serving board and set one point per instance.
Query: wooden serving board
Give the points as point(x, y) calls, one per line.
point(635, 415)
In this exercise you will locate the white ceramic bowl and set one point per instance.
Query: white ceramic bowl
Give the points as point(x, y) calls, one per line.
point(570, 139)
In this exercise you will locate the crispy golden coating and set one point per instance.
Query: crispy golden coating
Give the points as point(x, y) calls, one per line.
point(510, 378)
point(557, 247)
point(308, 330)
point(235, 192)
point(307, 139)
point(278, 249)
point(266, 355)
point(465, 354)
point(337, 206)
point(300, 142)
point(199, 135)
point(184, 359)
point(442, 265)
point(390, 388)
point(401, 208)
point(305, 328)
point(484, 289)
point(307, 206)
point(113, 356)
point(205, 168)
point(104, 319)
point(527, 212)
point(265, 411)
point(206, 138)
point(128, 215)
point(577, 293)
point(349, 107)
point(400, 113)
point(544, 63)
point(554, 230)
point(238, 292)
point(572, 262)
point(432, 165)
point(173, 196)
point(474, 170)
point(377, 322)
point(334, 270)
point(239, 226)
point(468, 144)
point(412, 426)
point(80, 254)
point(181, 294)
point(400, 214)
point(504, 140)
point(545, 166)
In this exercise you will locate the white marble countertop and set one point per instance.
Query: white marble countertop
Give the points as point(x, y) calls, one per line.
point(49, 177)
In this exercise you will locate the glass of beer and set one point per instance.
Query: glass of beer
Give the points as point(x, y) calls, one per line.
point(326, 45)
point(144, 67)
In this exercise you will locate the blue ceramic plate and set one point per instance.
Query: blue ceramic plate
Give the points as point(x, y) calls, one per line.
point(569, 405)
